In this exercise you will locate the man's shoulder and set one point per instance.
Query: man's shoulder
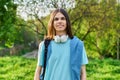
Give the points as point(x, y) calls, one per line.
point(76, 39)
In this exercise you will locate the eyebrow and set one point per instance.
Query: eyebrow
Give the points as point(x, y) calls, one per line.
point(60, 17)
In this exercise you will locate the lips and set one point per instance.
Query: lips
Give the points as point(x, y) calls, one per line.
point(60, 26)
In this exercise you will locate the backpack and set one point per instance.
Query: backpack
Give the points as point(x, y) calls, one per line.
point(46, 43)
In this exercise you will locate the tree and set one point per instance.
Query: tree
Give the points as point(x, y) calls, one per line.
point(7, 21)
point(94, 22)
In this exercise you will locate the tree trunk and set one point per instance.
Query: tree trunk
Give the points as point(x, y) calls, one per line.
point(118, 54)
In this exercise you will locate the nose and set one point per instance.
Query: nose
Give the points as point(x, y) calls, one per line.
point(59, 21)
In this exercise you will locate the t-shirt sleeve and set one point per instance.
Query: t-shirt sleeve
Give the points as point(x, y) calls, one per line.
point(41, 54)
point(84, 57)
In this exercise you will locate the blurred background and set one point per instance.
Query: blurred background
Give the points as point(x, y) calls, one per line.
point(23, 24)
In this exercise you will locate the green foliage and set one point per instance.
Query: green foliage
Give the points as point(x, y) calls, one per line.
point(19, 68)
point(7, 21)
point(13, 30)
point(96, 23)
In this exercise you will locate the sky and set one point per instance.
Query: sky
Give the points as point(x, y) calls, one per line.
point(41, 9)
point(27, 8)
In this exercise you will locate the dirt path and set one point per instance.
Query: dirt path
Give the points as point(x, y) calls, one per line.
point(32, 54)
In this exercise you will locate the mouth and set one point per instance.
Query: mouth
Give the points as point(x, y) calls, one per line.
point(60, 26)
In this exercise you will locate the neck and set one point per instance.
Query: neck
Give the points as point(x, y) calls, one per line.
point(60, 33)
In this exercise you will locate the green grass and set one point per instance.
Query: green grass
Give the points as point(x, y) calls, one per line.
point(106, 69)
point(19, 68)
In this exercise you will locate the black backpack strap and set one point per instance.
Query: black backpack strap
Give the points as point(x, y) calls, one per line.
point(46, 43)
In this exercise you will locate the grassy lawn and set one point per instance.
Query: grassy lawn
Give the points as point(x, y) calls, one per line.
point(19, 68)
point(107, 69)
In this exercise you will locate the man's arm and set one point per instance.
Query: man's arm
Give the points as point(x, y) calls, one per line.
point(83, 73)
point(37, 73)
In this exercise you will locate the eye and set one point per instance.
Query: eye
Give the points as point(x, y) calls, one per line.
point(56, 19)
point(62, 18)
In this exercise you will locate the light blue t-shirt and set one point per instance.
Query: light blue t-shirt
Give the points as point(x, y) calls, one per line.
point(58, 65)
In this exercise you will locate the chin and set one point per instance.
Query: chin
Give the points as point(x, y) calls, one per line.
point(60, 30)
